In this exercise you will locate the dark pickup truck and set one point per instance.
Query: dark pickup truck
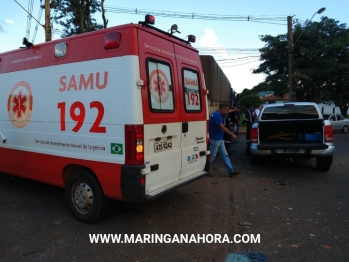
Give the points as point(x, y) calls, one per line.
point(292, 130)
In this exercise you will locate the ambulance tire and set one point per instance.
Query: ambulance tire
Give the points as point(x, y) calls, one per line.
point(85, 197)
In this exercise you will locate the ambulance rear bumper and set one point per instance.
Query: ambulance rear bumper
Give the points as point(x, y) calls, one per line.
point(134, 191)
point(166, 189)
point(131, 187)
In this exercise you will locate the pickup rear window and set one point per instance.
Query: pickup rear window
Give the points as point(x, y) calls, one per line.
point(290, 111)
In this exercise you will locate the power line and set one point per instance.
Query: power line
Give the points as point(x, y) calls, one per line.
point(230, 49)
point(257, 19)
point(238, 59)
point(57, 31)
point(29, 17)
point(227, 51)
point(37, 23)
point(224, 65)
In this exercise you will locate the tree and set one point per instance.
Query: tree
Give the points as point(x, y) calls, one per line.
point(249, 100)
point(264, 86)
point(75, 16)
point(275, 58)
point(321, 62)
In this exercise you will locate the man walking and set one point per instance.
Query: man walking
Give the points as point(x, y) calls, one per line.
point(217, 129)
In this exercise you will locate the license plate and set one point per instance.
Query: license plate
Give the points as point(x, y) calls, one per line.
point(290, 151)
point(163, 145)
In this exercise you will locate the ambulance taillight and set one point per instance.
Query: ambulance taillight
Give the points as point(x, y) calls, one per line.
point(134, 141)
point(112, 40)
point(191, 38)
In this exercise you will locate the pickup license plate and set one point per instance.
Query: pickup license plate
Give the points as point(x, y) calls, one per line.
point(290, 151)
point(163, 145)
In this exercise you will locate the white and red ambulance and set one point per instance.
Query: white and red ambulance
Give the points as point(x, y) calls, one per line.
point(116, 113)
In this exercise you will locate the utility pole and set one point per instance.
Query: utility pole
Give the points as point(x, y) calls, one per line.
point(47, 21)
point(290, 57)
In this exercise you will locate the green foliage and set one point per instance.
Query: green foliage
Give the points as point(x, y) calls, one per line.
point(278, 89)
point(245, 92)
point(248, 100)
point(321, 58)
point(75, 16)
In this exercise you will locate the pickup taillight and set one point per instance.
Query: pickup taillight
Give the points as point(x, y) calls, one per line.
point(254, 135)
point(328, 133)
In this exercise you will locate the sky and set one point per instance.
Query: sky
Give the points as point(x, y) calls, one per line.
point(234, 44)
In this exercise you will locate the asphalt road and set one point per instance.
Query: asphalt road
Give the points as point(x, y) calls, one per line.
point(305, 219)
point(302, 214)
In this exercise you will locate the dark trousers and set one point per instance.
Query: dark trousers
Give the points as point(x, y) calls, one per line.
point(248, 133)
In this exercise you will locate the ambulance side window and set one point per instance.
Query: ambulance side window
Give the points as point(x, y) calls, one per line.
point(191, 85)
point(160, 87)
point(60, 49)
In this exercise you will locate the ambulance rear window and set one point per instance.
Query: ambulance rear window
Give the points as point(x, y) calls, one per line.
point(191, 85)
point(160, 87)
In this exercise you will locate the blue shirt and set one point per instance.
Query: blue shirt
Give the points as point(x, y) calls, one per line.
point(216, 133)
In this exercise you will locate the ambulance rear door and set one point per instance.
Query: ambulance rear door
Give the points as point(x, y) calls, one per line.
point(193, 112)
point(161, 112)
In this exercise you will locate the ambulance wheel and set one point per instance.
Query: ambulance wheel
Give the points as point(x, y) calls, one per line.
point(85, 197)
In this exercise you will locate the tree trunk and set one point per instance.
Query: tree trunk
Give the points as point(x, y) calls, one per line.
point(81, 17)
point(105, 21)
point(88, 16)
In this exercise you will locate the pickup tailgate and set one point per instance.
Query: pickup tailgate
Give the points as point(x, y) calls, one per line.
point(288, 135)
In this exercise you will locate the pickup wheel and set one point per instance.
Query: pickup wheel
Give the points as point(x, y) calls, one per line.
point(85, 197)
point(345, 129)
point(255, 160)
point(323, 163)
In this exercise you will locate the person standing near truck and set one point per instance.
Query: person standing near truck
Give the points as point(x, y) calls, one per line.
point(250, 117)
point(227, 122)
point(258, 110)
point(217, 129)
point(235, 115)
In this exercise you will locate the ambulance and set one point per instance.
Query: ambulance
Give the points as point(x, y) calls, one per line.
point(117, 113)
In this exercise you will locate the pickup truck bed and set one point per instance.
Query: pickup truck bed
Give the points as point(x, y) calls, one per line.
point(292, 135)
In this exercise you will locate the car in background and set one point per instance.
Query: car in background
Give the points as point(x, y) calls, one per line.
point(339, 122)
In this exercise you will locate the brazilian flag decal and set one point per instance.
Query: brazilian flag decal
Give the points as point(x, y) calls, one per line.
point(116, 149)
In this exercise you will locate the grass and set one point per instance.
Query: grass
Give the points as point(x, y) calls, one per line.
point(242, 119)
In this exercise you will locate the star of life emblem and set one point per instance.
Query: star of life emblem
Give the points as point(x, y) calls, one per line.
point(20, 104)
point(159, 86)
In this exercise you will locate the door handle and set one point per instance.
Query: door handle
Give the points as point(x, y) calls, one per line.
point(185, 127)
